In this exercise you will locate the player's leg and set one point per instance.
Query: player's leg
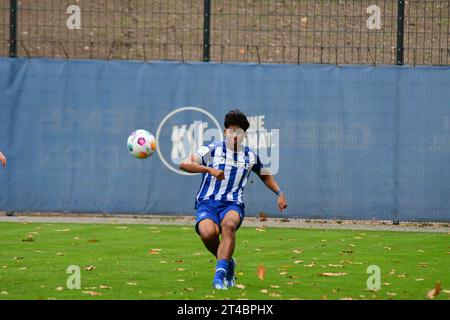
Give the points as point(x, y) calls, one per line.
point(209, 233)
point(229, 226)
point(225, 264)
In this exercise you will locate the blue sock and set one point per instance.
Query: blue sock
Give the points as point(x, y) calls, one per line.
point(222, 268)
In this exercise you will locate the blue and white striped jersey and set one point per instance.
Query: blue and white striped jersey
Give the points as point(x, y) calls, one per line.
point(236, 166)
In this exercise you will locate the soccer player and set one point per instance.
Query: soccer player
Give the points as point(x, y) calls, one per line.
point(2, 159)
point(226, 166)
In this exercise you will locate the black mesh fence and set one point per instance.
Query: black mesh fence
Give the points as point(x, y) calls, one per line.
point(276, 31)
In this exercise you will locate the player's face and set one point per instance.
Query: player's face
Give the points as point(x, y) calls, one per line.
point(234, 135)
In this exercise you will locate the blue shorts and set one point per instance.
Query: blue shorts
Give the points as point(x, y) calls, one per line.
point(216, 211)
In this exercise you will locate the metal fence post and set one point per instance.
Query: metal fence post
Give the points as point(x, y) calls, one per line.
point(13, 29)
point(206, 30)
point(400, 31)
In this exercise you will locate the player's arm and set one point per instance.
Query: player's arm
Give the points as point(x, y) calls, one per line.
point(270, 182)
point(2, 159)
point(193, 165)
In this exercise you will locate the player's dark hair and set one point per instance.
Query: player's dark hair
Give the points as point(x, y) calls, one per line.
point(236, 118)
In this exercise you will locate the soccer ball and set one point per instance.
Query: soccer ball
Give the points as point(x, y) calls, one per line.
point(141, 144)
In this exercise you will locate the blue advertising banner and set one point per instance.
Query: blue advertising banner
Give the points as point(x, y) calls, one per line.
point(344, 142)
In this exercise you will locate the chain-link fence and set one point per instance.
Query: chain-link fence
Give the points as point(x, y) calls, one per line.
point(278, 31)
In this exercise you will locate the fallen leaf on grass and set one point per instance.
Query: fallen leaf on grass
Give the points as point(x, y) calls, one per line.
point(274, 286)
point(181, 280)
point(63, 230)
point(93, 240)
point(264, 291)
point(434, 292)
point(121, 227)
point(283, 273)
point(273, 294)
point(310, 265)
point(332, 274)
point(189, 289)
point(261, 272)
point(240, 286)
point(60, 253)
point(335, 265)
point(260, 230)
point(104, 287)
point(154, 251)
point(262, 216)
point(17, 258)
point(92, 293)
point(4, 293)
point(132, 283)
point(23, 268)
point(59, 289)
point(298, 261)
point(420, 279)
point(391, 293)
point(90, 268)
point(298, 251)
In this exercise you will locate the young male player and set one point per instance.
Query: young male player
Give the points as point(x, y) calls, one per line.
point(2, 159)
point(226, 166)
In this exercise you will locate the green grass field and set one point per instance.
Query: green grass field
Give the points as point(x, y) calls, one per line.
point(117, 262)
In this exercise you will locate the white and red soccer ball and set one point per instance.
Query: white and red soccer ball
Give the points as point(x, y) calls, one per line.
point(141, 144)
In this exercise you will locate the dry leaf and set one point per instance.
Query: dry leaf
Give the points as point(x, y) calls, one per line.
point(298, 251)
point(63, 230)
point(274, 286)
point(93, 240)
point(260, 230)
point(298, 261)
point(273, 294)
point(188, 289)
point(433, 293)
point(90, 268)
point(60, 253)
point(154, 251)
point(240, 286)
point(335, 265)
point(264, 291)
point(104, 287)
point(332, 274)
point(17, 258)
point(420, 279)
point(262, 216)
point(310, 265)
point(59, 289)
point(283, 273)
point(391, 293)
point(92, 293)
point(261, 272)
point(132, 283)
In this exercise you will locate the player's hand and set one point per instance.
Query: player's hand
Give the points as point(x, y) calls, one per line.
point(3, 159)
point(219, 174)
point(282, 204)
